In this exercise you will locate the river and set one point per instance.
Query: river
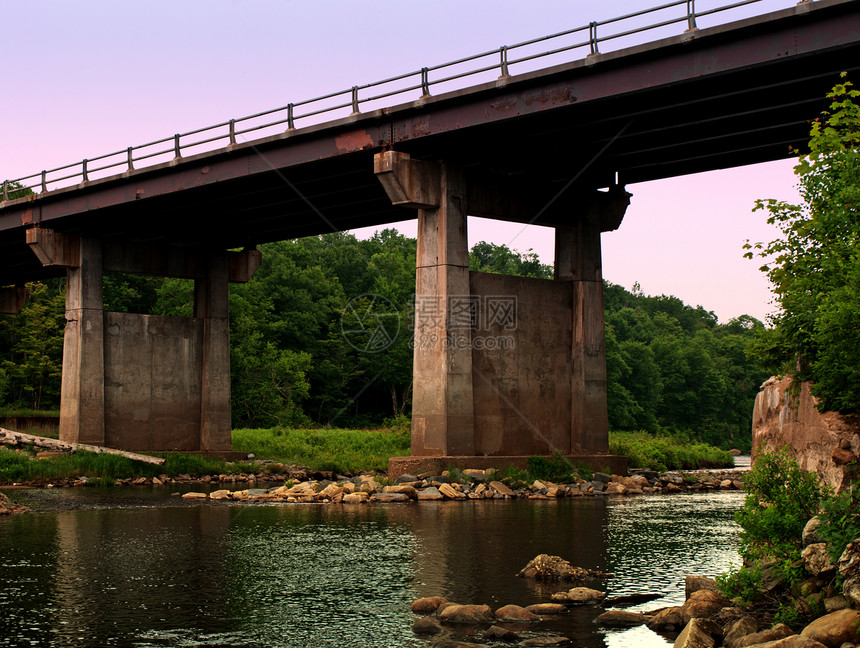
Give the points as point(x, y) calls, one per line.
point(136, 567)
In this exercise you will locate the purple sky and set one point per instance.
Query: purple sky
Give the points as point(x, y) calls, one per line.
point(88, 78)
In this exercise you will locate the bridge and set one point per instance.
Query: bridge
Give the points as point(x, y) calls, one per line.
point(532, 147)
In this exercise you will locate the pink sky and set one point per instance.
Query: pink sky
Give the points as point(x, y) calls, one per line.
point(84, 79)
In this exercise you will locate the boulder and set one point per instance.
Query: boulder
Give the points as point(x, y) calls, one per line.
point(546, 567)
point(834, 603)
point(388, 497)
point(794, 641)
point(355, 498)
point(631, 599)
point(739, 629)
point(501, 488)
point(430, 493)
point(404, 489)
point(817, 439)
point(699, 633)
point(703, 603)
point(849, 569)
point(619, 619)
point(810, 532)
point(578, 596)
point(515, 614)
point(779, 631)
point(546, 641)
point(547, 608)
point(427, 626)
point(498, 633)
point(696, 583)
point(456, 643)
point(428, 604)
point(816, 560)
point(466, 614)
point(670, 619)
point(450, 492)
point(330, 491)
point(835, 628)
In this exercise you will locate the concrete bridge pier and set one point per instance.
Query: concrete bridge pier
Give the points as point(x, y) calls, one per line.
point(504, 367)
point(136, 381)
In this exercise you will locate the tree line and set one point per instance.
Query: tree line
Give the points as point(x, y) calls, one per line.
point(311, 345)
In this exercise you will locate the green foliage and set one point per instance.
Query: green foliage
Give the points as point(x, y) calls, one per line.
point(781, 498)
point(841, 521)
point(338, 450)
point(743, 584)
point(515, 477)
point(666, 452)
point(15, 190)
point(673, 368)
point(31, 347)
point(555, 469)
point(814, 267)
point(780, 501)
point(500, 259)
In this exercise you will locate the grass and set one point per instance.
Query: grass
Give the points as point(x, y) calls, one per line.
point(663, 453)
point(11, 412)
point(343, 451)
point(335, 449)
point(21, 467)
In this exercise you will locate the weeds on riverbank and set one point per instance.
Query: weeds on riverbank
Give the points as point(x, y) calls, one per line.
point(342, 451)
point(20, 466)
point(663, 453)
point(336, 450)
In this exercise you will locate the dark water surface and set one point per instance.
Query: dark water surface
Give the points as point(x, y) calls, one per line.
point(162, 572)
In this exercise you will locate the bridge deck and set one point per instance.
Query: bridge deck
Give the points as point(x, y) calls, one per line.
point(726, 96)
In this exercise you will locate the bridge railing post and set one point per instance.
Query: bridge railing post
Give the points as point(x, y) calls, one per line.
point(691, 15)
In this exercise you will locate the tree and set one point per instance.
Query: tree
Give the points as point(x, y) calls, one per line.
point(500, 259)
point(815, 267)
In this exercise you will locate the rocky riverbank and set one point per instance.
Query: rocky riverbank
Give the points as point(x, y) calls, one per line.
point(470, 484)
point(706, 619)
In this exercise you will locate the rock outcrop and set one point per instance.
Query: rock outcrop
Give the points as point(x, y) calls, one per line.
point(823, 442)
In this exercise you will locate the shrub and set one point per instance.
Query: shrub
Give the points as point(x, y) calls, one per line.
point(555, 469)
point(781, 499)
point(841, 521)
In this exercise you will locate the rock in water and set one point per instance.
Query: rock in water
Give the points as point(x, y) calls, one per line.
point(428, 605)
point(619, 619)
point(515, 614)
point(546, 567)
point(467, 614)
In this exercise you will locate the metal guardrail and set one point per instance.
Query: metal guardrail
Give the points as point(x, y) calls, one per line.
point(353, 98)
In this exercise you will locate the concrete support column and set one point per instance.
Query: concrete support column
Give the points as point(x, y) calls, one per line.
point(443, 421)
point(12, 300)
point(211, 304)
point(443, 411)
point(82, 404)
point(578, 261)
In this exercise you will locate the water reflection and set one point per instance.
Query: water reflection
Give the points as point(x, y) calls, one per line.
point(332, 575)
